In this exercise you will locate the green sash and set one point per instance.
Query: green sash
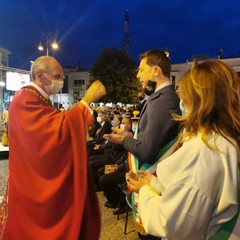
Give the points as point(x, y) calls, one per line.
point(164, 152)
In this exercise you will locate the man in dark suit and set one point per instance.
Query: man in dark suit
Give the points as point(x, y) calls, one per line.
point(109, 182)
point(142, 97)
point(104, 120)
point(155, 127)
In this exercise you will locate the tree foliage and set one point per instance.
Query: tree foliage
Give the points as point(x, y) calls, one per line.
point(117, 71)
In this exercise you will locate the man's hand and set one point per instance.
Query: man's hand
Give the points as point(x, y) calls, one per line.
point(118, 136)
point(95, 92)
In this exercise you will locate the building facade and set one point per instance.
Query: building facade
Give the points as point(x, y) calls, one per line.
point(75, 86)
point(4, 63)
point(77, 81)
point(179, 69)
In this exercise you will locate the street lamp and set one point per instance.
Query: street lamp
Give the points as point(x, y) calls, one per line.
point(50, 39)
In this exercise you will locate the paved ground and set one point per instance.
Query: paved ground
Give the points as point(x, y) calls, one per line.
point(3, 175)
point(113, 229)
point(3, 165)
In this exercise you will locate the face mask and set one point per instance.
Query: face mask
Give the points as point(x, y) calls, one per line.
point(150, 88)
point(112, 123)
point(55, 87)
point(182, 108)
point(134, 128)
point(99, 119)
point(122, 126)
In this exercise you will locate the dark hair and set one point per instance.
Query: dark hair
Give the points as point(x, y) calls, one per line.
point(159, 58)
point(95, 114)
point(120, 118)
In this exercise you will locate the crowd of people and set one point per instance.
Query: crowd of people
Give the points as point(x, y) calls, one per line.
point(176, 154)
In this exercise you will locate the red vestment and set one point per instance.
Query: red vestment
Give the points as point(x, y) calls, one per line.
point(50, 194)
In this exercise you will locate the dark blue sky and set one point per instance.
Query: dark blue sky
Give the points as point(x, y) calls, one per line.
point(84, 28)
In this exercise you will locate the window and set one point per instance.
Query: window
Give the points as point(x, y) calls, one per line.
point(78, 82)
point(173, 79)
point(75, 96)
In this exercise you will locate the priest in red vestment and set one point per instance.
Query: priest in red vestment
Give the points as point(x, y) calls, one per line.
point(50, 194)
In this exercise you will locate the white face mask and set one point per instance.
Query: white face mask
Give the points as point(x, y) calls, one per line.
point(122, 126)
point(99, 119)
point(55, 87)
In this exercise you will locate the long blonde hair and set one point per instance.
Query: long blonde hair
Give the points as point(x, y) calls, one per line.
point(211, 93)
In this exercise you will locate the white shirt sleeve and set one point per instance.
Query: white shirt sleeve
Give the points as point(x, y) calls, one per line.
point(176, 214)
point(155, 184)
point(87, 106)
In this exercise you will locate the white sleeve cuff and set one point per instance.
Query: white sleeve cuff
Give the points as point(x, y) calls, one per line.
point(87, 106)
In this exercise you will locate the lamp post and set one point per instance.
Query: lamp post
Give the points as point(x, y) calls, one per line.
point(50, 40)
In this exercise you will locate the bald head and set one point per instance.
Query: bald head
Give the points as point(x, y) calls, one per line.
point(44, 70)
point(44, 64)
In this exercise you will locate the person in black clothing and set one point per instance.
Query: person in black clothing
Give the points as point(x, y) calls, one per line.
point(142, 97)
point(104, 119)
point(106, 127)
point(95, 126)
point(107, 154)
point(156, 127)
point(109, 182)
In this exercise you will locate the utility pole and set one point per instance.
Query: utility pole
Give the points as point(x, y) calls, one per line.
point(126, 42)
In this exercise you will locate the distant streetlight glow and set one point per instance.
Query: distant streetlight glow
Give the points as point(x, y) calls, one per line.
point(50, 38)
point(55, 45)
point(40, 47)
point(2, 84)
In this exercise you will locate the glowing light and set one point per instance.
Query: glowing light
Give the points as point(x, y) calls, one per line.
point(50, 40)
point(55, 45)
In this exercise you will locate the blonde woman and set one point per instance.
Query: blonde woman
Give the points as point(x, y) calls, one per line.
point(196, 189)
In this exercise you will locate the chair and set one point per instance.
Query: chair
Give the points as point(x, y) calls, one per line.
point(129, 207)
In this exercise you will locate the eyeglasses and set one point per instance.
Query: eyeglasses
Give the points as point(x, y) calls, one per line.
point(55, 76)
point(59, 76)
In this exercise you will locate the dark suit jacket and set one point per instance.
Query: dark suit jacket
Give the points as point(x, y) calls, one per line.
point(141, 105)
point(105, 129)
point(156, 127)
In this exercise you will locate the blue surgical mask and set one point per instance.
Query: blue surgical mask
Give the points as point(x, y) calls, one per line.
point(134, 128)
point(182, 108)
point(151, 86)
